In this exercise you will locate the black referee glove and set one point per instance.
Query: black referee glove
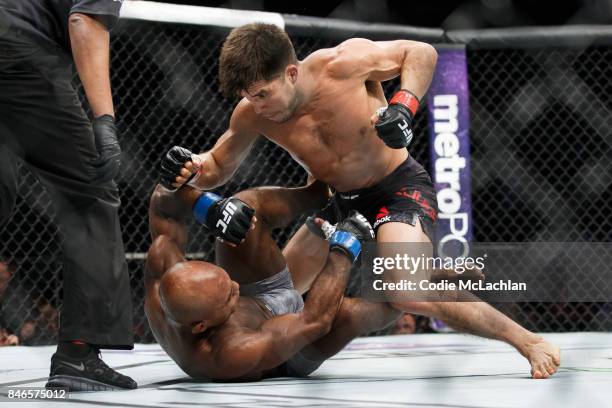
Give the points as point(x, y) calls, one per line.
point(108, 162)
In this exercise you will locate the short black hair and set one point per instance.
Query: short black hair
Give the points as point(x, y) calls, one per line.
point(253, 52)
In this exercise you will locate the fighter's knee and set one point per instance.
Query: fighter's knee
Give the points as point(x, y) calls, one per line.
point(251, 198)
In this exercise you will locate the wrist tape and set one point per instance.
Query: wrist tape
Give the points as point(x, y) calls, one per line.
point(203, 204)
point(346, 242)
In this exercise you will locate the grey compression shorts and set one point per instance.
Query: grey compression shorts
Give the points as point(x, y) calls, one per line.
point(276, 293)
point(279, 296)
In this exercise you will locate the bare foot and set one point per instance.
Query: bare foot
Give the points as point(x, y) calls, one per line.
point(544, 358)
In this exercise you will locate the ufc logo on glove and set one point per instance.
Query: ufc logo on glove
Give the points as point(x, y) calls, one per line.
point(405, 128)
point(228, 212)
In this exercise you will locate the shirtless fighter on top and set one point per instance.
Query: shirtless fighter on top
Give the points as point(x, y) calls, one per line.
point(330, 113)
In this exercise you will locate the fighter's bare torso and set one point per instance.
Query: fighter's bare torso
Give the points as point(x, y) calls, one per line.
point(331, 135)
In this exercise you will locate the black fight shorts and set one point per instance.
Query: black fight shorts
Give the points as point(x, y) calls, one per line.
point(405, 195)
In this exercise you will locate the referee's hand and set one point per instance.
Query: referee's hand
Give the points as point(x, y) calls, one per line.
point(109, 152)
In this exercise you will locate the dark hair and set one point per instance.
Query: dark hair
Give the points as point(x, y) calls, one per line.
point(251, 53)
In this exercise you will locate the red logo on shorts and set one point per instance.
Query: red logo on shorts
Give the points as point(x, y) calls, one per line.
point(383, 212)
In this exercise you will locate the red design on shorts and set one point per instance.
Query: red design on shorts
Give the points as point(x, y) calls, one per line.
point(416, 196)
point(383, 212)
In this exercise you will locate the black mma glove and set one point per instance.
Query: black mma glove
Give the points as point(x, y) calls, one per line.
point(173, 162)
point(350, 234)
point(108, 162)
point(394, 125)
point(227, 218)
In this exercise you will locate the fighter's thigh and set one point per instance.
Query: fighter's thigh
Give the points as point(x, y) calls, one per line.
point(403, 239)
point(305, 254)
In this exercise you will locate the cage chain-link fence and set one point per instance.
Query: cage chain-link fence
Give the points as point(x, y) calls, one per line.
point(540, 157)
point(541, 139)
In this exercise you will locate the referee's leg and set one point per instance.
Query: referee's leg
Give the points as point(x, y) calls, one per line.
point(61, 149)
point(44, 115)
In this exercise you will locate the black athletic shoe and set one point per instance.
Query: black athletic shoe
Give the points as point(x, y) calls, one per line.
point(87, 374)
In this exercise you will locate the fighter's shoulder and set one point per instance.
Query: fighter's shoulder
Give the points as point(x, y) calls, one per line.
point(341, 59)
point(318, 62)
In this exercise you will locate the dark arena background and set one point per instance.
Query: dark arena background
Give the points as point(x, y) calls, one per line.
point(540, 138)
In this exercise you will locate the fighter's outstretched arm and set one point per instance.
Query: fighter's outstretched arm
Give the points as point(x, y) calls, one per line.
point(214, 167)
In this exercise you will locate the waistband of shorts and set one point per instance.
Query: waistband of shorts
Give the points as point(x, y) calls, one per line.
point(281, 280)
point(388, 182)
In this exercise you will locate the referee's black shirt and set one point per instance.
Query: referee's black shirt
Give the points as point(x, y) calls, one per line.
point(46, 21)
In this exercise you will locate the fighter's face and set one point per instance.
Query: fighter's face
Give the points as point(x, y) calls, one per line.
point(275, 100)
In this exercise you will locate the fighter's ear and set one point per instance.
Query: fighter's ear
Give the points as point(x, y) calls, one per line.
point(291, 72)
point(198, 327)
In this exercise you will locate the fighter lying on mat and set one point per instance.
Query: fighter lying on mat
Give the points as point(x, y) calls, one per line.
point(214, 329)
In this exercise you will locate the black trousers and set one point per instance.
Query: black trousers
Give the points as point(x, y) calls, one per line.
point(43, 124)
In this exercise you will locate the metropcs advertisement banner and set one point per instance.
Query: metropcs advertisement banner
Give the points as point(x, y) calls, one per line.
point(449, 136)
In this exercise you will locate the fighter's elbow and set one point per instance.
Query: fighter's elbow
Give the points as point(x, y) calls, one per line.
point(322, 328)
point(318, 326)
point(90, 27)
point(428, 53)
point(421, 51)
point(75, 19)
point(79, 23)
